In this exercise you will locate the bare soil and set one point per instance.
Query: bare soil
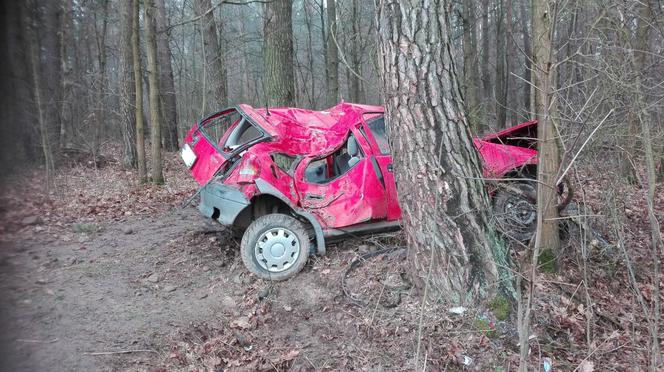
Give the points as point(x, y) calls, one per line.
point(102, 274)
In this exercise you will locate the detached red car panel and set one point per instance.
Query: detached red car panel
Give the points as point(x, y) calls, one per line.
point(329, 171)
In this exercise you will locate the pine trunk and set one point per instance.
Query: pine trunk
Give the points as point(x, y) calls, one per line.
point(547, 237)
point(278, 52)
point(169, 110)
point(127, 87)
point(215, 67)
point(332, 60)
point(501, 76)
point(138, 92)
point(452, 250)
point(470, 66)
point(153, 80)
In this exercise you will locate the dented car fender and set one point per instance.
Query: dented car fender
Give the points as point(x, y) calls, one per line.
point(267, 189)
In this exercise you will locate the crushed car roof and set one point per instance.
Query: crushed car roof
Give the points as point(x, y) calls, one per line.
point(307, 132)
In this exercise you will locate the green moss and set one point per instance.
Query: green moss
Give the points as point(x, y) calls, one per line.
point(500, 307)
point(484, 326)
point(547, 261)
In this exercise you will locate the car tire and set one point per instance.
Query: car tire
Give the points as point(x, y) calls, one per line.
point(515, 210)
point(275, 247)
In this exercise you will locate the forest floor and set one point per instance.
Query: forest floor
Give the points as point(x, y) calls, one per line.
point(103, 274)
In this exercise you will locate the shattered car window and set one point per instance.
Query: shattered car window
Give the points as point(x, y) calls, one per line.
point(377, 126)
point(335, 165)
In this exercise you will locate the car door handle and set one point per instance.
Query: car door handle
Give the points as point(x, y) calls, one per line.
point(390, 168)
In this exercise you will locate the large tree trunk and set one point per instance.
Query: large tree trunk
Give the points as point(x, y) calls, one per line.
point(332, 61)
point(153, 79)
point(127, 87)
point(138, 92)
point(213, 56)
point(278, 52)
point(169, 110)
point(452, 250)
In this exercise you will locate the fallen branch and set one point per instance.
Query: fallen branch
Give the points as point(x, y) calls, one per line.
point(120, 352)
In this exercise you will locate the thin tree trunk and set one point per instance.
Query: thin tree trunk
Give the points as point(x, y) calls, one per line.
point(65, 38)
point(100, 112)
point(153, 79)
point(546, 236)
point(138, 89)
point(308, 20)
point(471, 67)
point(278, 52)
point(527, 49)
point(332, 66)
point(169, 110)
point(436, 164)
point(639, 55)
point(356, 55)
point(127, 87)
point(501, 76)
point(487, 96)
point(44, 134)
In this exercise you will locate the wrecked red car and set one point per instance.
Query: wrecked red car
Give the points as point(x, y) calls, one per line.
point(292, 179)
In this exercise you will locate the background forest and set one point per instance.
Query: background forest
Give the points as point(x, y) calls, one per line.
point(98, 94)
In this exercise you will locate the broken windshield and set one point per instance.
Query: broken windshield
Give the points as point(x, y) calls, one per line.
point(230, 130)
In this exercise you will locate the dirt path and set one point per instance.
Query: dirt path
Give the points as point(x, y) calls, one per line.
point(109, 291)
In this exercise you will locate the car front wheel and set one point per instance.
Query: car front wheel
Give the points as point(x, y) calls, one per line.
point(275, 247)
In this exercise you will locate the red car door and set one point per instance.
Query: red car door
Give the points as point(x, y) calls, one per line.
point(341, 189)
point(374, 130)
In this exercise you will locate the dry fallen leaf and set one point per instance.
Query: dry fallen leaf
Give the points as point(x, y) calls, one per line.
point(587, 366)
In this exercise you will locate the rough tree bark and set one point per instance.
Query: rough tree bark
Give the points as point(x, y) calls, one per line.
point(153, 79)
point(436, 164)
point(169, 109)
point(127, 86)
point(138, 92)
point(332, 61)
point(278, 52)
point(213, 56)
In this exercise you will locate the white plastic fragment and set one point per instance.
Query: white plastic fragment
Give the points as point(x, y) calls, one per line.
point(458, 310)
point(467, 360)
point(547, 364)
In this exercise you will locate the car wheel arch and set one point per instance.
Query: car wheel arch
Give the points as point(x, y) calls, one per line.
point(269, 195)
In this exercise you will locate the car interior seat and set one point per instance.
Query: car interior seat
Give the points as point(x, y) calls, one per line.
point(353, 151)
